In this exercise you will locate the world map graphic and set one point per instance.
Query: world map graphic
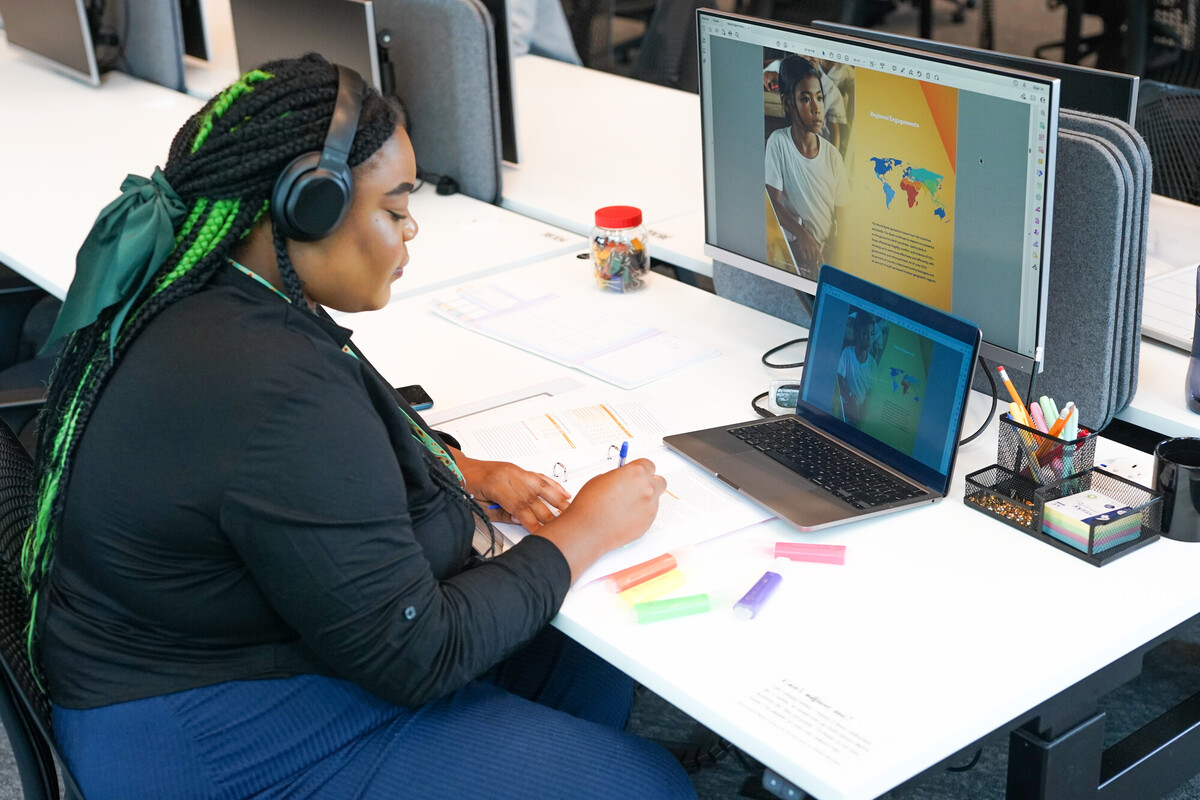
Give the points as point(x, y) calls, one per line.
point(896, 176)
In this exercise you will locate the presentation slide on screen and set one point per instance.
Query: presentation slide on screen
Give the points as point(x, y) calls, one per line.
point(882, 374)
point(877, 190)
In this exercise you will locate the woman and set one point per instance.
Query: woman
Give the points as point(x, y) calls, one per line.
point(251, 554)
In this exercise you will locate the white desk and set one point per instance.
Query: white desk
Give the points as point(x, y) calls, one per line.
point(462, 239)
point(943, 626)
point(67, 149)
point(69, 155)
point(591, 139)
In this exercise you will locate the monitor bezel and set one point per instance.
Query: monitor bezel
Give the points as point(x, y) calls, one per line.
point(1020, 362)
point(1026, 63)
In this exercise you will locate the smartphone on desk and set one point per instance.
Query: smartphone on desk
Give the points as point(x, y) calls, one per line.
point(415, 396)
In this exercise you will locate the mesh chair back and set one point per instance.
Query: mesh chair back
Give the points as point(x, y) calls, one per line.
point(27, 711)
point(1168, 118)
point(591, 24)
point(667, 55)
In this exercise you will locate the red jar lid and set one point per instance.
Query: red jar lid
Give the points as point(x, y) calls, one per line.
point(618, 217)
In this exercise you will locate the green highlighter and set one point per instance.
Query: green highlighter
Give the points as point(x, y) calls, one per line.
point(1049, 409)
point(671, 607)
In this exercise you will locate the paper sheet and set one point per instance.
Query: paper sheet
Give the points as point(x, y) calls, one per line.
point(695, 508)
point(576, 432)
point(623, 352)
point(573, 437)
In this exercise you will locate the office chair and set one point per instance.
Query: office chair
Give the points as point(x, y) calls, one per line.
point(27, 315)
point(24, 708)
point(591, 24)
point(1168, 118)
point(667, 52)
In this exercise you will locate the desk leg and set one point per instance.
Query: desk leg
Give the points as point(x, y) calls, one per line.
point(1066, 767)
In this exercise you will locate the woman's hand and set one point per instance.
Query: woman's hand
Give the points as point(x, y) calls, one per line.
point(612, 509)
point(527, 498)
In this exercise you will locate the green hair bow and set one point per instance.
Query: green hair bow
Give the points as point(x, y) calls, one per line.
point(128, 243)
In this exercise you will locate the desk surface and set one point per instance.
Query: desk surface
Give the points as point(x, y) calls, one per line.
point(67, 149)
point(943, 626)
point(591, 139)
point(71, 156)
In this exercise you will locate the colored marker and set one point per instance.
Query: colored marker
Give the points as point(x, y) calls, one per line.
point(640, 573)
point(658, 610)
point(1023, 417)
point(624, 453)
point(654, 588)
point(748, 607)
point(1072, 433)
point(1056, 429)
point(816, 553)
point(1061, 422)
point(1049, 409)
point(1024, 437)
point(1039, 420)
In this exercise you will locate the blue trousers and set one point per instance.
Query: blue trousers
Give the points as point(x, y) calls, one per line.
point(547, 723)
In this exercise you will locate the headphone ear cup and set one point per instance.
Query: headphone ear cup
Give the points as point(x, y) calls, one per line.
point(309, 202)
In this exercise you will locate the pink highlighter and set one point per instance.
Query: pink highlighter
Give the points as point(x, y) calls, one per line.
point(816, 553)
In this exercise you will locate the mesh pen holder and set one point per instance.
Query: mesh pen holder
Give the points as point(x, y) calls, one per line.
point(1040, 457)
point(1003, 494)
point(1126, 515)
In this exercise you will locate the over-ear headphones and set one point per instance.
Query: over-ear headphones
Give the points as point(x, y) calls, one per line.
point(313, 193)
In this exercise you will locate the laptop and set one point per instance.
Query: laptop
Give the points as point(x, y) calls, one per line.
point(878, 419)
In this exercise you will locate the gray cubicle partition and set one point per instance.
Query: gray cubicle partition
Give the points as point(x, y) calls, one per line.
point(443, 54)
point(1097, 268)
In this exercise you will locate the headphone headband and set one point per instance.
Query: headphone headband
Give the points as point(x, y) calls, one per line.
point(313, 193)
point(344, 122)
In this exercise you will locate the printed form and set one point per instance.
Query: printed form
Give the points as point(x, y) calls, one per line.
point(574, 437)
point(620, 351)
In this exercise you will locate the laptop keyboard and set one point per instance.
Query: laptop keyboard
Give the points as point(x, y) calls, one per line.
point(835, 469)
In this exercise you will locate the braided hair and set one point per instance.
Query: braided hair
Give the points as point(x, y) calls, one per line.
point(223, 164)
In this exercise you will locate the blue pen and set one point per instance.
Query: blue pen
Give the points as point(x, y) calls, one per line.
point(624, 453)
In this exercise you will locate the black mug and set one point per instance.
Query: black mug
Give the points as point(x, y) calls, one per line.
point(1177, 476)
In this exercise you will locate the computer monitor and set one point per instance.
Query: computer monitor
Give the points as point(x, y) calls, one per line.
point(504, 79)
point(56, 33)
point(343, 31)
point(1113, 94)
point(195, 32)
point(940, 187)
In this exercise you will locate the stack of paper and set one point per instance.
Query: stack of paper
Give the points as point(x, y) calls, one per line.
point(1071, 519)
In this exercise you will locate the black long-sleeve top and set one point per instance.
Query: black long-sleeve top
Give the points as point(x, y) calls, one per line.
point(247, 502)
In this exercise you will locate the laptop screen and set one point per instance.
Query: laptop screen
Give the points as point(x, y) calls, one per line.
point(888, 375)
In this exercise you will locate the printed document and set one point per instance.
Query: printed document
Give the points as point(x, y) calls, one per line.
point(623, 352)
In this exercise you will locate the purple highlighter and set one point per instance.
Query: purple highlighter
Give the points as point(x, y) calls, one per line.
point(752, 601)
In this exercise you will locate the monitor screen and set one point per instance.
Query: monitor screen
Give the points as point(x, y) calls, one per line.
point(887, 376)
point(54, 32)
point(343, 31)
point(1113, 94)
point(925, 174)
